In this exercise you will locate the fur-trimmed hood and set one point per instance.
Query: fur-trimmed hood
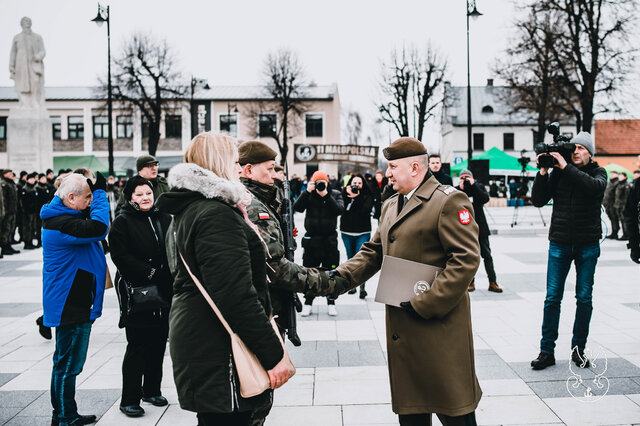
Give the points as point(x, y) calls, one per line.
point(191, 177)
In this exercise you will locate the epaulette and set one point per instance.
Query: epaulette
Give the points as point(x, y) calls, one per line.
point(447, 189)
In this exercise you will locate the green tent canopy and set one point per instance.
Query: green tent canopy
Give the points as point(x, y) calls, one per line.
point(90, 162)
point(500, 163)
point(613, 167)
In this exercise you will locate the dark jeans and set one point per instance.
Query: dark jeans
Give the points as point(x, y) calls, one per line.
point(142, 363)
point(320, 251)
point(352, 245)
point(224, 419)
point(425, 419)
point(72, 342)
point(485, 252)
point(560, 258)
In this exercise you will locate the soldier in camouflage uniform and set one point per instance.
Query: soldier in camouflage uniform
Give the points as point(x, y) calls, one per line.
point(10, 196)
point(621, 194)
point(257, 161)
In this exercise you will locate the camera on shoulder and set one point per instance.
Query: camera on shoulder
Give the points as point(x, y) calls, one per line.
point(561, 144)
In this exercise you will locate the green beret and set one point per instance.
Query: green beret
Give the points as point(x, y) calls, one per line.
point(254, 152)
point(404, 147)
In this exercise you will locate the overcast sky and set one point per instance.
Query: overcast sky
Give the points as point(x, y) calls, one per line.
point(338, 41)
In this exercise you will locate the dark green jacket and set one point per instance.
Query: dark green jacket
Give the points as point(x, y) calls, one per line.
point(228, 258)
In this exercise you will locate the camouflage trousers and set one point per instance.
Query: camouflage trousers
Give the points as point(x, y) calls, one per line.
point(7, 229)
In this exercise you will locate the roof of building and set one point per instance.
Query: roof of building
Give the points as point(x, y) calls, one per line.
point(617, 137)
point(487, 107)
point(227, 93)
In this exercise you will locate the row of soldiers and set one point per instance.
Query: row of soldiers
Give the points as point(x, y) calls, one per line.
point(615, 200)
point(20, 204)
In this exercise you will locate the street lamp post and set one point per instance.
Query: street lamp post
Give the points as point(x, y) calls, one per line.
point(472, 12)
point(202, 82)
point(102, 17)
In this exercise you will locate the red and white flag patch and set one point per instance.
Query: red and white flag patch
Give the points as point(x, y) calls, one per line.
point(465, 216)
point(263, 216)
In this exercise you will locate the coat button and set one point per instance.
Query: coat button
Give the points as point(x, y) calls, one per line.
point(391, 239)
point(395, 336)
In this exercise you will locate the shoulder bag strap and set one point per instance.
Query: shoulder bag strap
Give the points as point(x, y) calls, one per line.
point(207, 297)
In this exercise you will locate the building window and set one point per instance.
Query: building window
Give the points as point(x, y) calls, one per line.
point(266, 125)
point(56, 127)
point(507, 139)
point(229, 124)
point(478, 141)
point(100, 127)
point(314, 125)
point(173, 126)
point(76, 126)
point(124, 126)
point(3, 128)
point(145, 127)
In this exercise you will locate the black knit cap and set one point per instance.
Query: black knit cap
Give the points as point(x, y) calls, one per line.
point(403, 148)
point(254, 152)
point(132, 184)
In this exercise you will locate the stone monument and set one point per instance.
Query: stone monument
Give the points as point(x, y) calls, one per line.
point(29, 135)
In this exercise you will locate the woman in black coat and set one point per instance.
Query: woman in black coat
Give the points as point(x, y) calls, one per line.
point(213, 234)
point(355, 222)
point(138, 250)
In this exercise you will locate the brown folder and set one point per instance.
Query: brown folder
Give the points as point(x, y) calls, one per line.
point(401, 280)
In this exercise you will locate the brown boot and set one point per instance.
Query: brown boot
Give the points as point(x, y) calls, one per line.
point(495, 288)
point(472, 286)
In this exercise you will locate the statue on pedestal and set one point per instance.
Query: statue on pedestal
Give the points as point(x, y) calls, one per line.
point(26, 67)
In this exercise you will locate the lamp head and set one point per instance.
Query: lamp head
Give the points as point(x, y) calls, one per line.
point(474, 13)
point(99, 19)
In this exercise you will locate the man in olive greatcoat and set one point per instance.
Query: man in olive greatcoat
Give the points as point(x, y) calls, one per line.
point(429, 339)
point(258, 173)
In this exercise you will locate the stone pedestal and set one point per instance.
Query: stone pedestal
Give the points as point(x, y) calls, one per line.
point(29, 140)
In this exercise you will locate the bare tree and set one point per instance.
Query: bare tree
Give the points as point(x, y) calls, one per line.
point(146, 77)
point(353, 127)
point(533, 80)
point(592, 51)
point(285, 88)
point(411, 88)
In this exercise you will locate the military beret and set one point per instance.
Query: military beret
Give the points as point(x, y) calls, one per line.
point(403, 148)
point(144, 160)
point(254, 152)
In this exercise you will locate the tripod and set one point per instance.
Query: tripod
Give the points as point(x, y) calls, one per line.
point(519, 196)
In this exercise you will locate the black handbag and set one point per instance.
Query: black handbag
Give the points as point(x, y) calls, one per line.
point(145, 298)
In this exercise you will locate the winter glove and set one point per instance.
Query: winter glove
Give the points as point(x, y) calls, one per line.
point(101, 183)
point(409, 308)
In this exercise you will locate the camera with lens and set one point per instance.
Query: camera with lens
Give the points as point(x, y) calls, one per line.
point(321, 186)
point(561, 144)
point(355, 189)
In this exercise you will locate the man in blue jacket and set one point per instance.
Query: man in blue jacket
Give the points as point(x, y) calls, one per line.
point(74, 271)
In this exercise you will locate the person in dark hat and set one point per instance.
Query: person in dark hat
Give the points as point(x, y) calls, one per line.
point(430, 339)
point(147, 166)
point(479, 196)
point(28, 198)
point(22, 181)
point(45, 195)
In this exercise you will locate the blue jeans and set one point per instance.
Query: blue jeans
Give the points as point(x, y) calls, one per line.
point(72, 343)
point(560, 258)
point(352, 244)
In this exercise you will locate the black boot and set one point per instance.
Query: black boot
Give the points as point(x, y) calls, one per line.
point(43, 329)
point(543, 361)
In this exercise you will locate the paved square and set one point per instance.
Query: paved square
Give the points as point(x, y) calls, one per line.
point(342, 376)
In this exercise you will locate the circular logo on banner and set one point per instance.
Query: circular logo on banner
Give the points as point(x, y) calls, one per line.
point(420, 287)
point(305, 153)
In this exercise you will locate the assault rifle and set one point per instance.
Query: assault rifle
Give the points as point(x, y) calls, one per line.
point(291, 300)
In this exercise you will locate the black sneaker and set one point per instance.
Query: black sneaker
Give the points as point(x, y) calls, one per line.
point(363, 294)
point(543, 361)
point(43, 329)
point(579, 359)
point(80, 420)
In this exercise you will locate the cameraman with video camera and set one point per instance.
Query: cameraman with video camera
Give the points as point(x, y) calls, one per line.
point(320, 242)
point(570, 177)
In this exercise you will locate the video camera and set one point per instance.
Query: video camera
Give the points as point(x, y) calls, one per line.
point(561, 144)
